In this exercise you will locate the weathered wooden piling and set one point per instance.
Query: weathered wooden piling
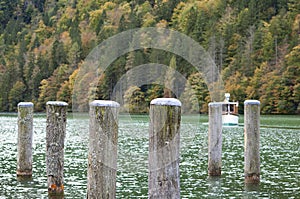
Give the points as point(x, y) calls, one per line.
point(215, 139)
point(55, 136)
point(164, 146)
point(252, 141)
point(102, 155)
point(25, 131)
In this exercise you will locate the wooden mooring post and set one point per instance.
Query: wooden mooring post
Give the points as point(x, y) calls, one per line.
point(25, 131)
point(252, 141)
point(102, 155)
point(55, 137)
point(164, 146)
point(215, 139)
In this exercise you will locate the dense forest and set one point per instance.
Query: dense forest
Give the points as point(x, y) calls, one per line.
point(254, 43)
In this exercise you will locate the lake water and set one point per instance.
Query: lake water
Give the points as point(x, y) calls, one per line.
point(280, 159)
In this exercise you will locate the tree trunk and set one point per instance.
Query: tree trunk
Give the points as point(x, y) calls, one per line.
point(102, 155)
point(25, 131)
point(55, 137)
point(215, 139)
point(252, 140)
point(164, 146)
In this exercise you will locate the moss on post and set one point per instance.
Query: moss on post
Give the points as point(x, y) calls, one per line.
point(164, 146)
point(25, 131)
point(102, 155)
point(55, 137)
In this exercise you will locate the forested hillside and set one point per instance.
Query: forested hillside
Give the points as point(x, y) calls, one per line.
point(255, 44)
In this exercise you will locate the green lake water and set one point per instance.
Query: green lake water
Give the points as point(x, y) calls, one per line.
point(280, 159)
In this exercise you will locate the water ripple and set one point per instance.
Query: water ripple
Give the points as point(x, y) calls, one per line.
point(280, 159)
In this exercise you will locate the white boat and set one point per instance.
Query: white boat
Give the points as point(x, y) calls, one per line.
point(230, 116)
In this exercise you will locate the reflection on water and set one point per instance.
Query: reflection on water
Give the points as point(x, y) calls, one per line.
point(214, 186)
point(251, 191)
point(280, 159)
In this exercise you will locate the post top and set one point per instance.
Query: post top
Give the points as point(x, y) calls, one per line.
point(252, 102)
point(25, 104)
point(166, 101)
point(215, 103)
point(107, 103)
point(57, 103)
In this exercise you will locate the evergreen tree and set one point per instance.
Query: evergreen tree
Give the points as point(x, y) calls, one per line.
point(169, 86)
point(253, 43)
point(16, 95)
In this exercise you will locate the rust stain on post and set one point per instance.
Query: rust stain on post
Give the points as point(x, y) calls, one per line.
point(252, 141)
point(25, 131)
point(102, 155)
point(215, 139)
point(55, 137)
point(164, 146)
